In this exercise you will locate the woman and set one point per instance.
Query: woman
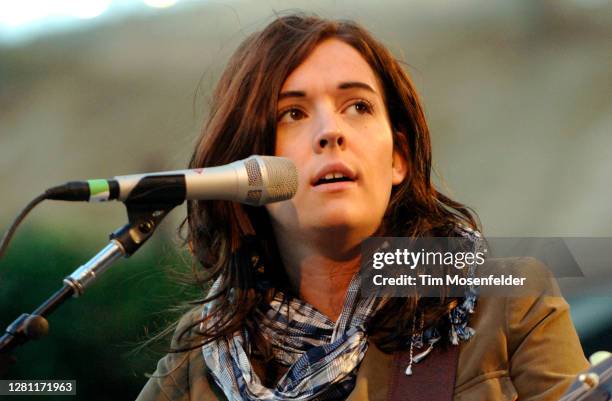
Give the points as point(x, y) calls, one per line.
point(284, 318)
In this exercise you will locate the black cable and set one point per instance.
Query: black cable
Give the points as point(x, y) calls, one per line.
point(9, 234)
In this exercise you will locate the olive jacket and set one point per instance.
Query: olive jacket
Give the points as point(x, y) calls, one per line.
point(525, 348)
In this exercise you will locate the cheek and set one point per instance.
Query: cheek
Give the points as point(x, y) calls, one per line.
point(382, 167)
point(298, 151)
point(280, 145)
point(383, 188)
point(290, 140)
point(380, 154)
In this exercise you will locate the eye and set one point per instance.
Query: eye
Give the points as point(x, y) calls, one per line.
point(361, 107)
point(291, 114)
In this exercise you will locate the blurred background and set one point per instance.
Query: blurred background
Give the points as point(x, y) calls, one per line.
point(517, 94)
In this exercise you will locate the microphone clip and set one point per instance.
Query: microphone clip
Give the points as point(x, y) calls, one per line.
point(144, 218)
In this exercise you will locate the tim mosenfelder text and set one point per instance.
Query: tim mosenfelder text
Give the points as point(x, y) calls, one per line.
point(448, 280)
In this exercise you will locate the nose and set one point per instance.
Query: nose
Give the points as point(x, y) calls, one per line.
point(329, 137)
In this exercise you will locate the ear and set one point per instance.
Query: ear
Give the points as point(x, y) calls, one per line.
point(400, 168)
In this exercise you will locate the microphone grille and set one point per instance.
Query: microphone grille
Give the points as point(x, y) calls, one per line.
point(282, 179)
point(253, 172)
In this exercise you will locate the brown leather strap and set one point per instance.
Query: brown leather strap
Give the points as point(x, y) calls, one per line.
point(432, 379)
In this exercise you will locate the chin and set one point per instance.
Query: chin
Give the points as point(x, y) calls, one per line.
point(346, 223)
point(339, 217)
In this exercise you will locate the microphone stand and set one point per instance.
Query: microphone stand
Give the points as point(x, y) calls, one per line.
point(144, 218)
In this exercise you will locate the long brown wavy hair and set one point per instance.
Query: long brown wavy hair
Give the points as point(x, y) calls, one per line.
point(235, 243)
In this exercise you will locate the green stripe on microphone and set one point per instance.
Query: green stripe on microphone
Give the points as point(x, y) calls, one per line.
point(98, 190)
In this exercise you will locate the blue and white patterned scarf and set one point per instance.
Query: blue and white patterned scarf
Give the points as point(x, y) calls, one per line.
point(322, 356)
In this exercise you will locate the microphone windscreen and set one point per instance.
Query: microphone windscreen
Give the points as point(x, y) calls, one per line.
point(282, 178)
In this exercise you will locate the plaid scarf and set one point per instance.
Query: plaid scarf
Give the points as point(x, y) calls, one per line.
point(322, 356)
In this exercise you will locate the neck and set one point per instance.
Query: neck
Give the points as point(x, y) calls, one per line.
point(320, 271)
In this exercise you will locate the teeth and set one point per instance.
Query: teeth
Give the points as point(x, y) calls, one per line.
point(330, 176)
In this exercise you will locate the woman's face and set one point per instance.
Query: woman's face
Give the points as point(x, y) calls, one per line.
point(332, 122)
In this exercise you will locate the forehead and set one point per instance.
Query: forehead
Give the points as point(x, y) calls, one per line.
point(332, 61)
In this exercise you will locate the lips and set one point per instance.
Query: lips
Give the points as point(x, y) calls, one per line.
point(332, 173)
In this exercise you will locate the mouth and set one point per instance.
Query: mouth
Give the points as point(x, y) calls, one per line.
point(331, 178)
point(333, 174)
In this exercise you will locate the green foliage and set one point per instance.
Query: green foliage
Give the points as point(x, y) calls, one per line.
point(92, 339)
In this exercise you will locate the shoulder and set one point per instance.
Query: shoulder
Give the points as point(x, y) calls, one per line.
point(525, 343)
point(181, 375)
point(186, 331)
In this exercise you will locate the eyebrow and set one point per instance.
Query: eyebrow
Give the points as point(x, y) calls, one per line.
point(356, 84)
point(342, 85)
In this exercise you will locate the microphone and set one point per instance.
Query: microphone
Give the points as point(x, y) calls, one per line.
point(256, 180)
